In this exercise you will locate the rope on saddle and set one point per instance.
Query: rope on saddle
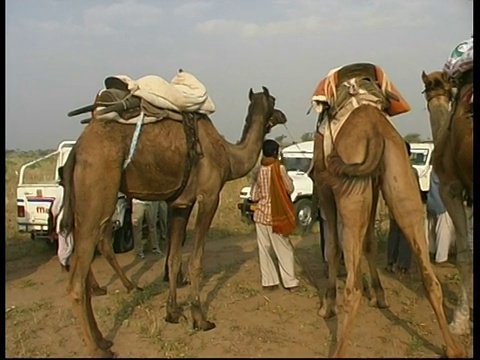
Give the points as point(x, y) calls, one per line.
point(194, 151)
point(133, 144)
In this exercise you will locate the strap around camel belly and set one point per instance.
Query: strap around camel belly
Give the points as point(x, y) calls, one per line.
point(194, 151)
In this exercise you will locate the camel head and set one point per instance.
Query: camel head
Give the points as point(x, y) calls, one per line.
point(263, 104)
point(437, 84)
point(278, 118)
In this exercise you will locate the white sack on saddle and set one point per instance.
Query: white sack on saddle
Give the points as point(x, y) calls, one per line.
point(194, 93)
point(162, 94)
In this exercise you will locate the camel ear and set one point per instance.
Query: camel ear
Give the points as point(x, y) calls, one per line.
point(424, 77)
point(250, 94)
point(265, 91)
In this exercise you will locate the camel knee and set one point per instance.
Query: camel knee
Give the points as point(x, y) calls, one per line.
point(194, 268)
point(77, 293)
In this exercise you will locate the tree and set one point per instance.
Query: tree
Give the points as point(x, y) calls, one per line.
point(413, 138)
point(308, 136)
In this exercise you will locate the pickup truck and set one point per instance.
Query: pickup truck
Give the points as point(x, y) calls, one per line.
point(35, 198)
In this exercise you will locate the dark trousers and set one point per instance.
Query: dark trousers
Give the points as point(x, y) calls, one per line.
point(398, 249)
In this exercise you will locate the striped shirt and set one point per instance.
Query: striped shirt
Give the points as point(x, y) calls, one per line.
point(261, 194)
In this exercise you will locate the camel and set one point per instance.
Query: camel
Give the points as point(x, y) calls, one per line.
point(368, 155)
point(452, 160)
point(157, 171)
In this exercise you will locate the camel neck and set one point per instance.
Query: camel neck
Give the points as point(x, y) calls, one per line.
point(244, 155)
point(439, 118)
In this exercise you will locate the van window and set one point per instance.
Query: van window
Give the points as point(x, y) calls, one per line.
point(297, 164)
point(419, 157)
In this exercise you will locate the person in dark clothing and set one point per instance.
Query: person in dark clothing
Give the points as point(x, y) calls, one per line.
point(399, 252)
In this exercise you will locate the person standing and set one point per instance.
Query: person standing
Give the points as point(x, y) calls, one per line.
point(147, 210)
point(469, 211)
point(442, 236)
point(274, 219)
point(163, 220)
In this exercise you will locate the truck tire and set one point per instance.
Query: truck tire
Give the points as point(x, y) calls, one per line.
point(123, 237)
point(305, 214)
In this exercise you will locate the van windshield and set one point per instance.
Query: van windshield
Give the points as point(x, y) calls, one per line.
point(297, 163)
point(419, 157)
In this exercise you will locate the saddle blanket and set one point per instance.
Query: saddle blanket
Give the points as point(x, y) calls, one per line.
point(184, 93)
point(358, 96)
point(325, 92)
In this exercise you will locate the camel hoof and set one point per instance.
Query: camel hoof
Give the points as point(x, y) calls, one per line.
point(381, 304)
point(327, 312)
point(204, 325)
point(173, 317)
point(105, 344)
point(456, 353)
point(99, 291)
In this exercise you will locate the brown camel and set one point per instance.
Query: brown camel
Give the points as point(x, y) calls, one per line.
point(369, 155)
point(156, 172)
point(452, 160)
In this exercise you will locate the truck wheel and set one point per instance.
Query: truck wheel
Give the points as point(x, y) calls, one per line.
point(305, 214)
point(123, 237)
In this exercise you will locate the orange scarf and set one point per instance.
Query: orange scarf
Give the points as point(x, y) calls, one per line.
point(283, 214)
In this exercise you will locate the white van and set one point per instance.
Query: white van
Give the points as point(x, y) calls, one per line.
point(297, 159)
point(421, 158)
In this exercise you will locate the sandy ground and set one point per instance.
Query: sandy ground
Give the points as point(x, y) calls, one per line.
point(250, 322)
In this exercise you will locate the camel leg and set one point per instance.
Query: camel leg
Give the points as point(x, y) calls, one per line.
point(453, 201)
point(106, 249)
point(377, 293)
point(95, 288)
point(180, 279)
point(206, 210)
point(329, 303)
point(407, 211)
point(355, 208)
point(177, 228)
point(100, 340)
point(79, 290)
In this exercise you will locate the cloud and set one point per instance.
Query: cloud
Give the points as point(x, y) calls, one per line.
point(192, 9)
point(103, 19)
point(314, 17)
point(250, 29)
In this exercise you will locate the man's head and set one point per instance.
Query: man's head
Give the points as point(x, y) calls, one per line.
point(60, 173)
point(409, 151)
point(270, 148)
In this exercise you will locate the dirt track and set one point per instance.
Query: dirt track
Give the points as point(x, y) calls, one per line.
point(250, 323)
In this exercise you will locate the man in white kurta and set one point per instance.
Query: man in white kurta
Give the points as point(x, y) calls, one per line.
point(65, 242)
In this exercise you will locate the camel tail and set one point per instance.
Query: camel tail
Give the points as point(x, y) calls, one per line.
point(67, 224)
point(369, 166)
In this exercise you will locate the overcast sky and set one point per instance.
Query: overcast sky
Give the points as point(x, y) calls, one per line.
point(60, 51)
